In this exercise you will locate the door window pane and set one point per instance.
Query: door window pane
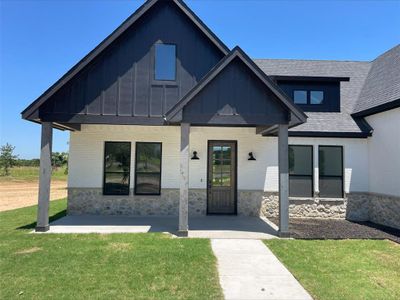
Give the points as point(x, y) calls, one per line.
point(331, 171)
point(300, 171)
point(117, 161)
point(300, 97)
point(165, 62)
point(148, 169)
point(221, 165)
point(316, 97)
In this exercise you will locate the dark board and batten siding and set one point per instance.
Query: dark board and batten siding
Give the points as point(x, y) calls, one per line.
point(120, 81)
point(235, 96)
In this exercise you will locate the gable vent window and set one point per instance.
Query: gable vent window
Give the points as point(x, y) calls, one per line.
point(300, 97)
point(316, 97)
point(308, 97)
point(165, 62)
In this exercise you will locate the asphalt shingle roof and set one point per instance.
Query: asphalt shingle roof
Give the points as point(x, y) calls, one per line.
point(349, 90)
point(382, 84)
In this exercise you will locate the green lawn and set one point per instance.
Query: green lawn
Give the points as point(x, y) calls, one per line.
point(346, 269)
point(32, 174)
point(99, 266)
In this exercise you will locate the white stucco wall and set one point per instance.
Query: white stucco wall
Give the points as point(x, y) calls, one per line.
point(87, 151)
point(384, 153)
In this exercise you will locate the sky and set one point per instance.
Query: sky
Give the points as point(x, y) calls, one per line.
point(40, 40)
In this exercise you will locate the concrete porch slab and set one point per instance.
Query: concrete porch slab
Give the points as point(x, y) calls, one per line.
point(233, 227)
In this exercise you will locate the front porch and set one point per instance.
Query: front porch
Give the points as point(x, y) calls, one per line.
point(237, 227)
point(203, 119)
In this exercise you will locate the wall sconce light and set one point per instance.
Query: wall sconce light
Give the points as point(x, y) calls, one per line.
point(195, 155)
point(251, 157)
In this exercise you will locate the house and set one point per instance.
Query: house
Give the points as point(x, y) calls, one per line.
point(164, 119)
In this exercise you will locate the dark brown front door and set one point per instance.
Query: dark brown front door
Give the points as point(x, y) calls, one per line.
point(221, 182)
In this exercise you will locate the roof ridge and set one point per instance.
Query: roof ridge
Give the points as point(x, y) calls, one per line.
point(386, 52)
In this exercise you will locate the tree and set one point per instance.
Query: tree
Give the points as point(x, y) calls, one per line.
point(59, 159)
point(7, 158)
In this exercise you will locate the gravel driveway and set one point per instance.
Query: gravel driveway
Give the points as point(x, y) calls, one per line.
point(15, 194)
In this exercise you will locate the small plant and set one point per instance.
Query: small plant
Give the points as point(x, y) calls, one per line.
point(7, 158)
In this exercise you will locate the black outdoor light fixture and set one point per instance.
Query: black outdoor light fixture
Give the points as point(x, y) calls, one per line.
point(195, 155)
point(251, 157)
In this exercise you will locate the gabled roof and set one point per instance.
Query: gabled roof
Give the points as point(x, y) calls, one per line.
point(111, 38)
point(298, 116)
point(326, 123)
point(381, 90)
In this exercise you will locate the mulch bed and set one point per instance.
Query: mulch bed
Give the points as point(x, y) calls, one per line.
point(339, 229)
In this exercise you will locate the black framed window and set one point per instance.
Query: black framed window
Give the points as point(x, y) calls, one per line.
point(117, 163)
point(165, 62)
point(331, 171)
point(312, 97)
point(300, 171)
point(148, 168)
point(300, 96)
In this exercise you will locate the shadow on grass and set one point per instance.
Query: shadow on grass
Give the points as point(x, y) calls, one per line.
point(52, 218)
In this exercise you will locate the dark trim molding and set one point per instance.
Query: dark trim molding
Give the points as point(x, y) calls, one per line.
point(378, 109)
point(309, 78)
point(325, 134)
point(101, 119)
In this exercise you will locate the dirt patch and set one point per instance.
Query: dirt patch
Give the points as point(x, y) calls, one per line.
point(119, 246)
point(339, 229)
point(15, 194)
point(28, 251)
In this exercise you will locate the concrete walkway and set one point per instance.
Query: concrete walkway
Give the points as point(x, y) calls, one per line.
point(249, 270)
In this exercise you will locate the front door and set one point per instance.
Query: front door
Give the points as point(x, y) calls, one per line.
point(221, 179)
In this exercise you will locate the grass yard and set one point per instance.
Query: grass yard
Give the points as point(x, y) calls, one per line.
point(343, 269)
point(32, 174)
point(95, 266)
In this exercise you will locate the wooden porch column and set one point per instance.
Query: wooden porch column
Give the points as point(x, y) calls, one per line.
point(283, 159)
point(184, 179)
point(42, 223)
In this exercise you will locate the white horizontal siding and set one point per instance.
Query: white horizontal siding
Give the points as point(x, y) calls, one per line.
point(87, 152)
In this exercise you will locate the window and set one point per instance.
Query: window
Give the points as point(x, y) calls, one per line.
point(331, 171)
point(148, 169)
point(300, 97)
point(308, 97)
point(165, 62)
point(316, 97)
point(300, 171)
point(117, 162)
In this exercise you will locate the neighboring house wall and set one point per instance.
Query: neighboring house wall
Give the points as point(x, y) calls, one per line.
point(257, 180)
point(384, 153)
